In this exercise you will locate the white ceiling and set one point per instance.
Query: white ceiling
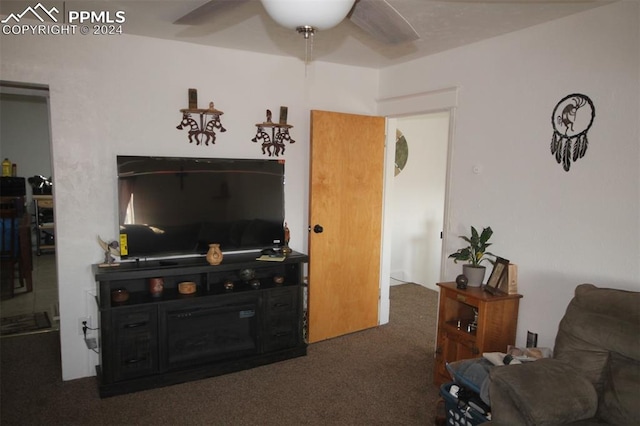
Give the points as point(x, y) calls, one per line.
point(441, 24)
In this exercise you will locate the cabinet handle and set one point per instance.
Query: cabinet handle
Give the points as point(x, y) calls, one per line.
point(438, 350)
point(135, 324)
point(280, 305)
point(135, 360)
point(281, 334)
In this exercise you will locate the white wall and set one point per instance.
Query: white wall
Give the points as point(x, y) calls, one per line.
point(560, 228)
point(417, 201)
point(115, 95)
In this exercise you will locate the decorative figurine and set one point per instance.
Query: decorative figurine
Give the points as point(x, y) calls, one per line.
point(287, 236)
point(247, 274)
point(461, 281)
point(110, 249)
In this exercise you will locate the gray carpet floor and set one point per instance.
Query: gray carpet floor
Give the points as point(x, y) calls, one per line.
point(380, 376)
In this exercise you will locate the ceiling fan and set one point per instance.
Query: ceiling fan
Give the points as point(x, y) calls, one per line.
point(376, 17)
point(378, 20)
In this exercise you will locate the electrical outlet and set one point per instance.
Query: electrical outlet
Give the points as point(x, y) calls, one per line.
point(81, 325)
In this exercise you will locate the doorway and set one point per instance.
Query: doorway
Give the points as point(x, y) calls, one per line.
point(416, 204)
point(25, 139)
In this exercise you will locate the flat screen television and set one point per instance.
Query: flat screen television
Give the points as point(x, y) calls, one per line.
point(171, 206)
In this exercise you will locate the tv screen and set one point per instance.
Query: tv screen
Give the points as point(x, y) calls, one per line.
point(178, 206)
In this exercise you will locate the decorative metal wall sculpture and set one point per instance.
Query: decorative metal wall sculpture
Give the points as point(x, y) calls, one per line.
point(571, 120)
point(402, 152)
point(200, 132)
point(274, 144)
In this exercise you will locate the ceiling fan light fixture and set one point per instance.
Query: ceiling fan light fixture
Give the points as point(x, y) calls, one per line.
point(318, 14)
point(306, 30)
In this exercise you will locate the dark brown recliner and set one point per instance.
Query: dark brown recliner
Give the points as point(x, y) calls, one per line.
point(594, 375)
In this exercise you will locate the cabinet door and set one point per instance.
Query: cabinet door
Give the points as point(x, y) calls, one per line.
point(453, 347)
point(281, 319)
point(135, 334)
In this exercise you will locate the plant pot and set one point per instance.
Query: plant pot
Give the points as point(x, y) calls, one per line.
point(475, 274)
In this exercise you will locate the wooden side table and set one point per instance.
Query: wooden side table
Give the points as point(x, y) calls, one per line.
point(471, 322)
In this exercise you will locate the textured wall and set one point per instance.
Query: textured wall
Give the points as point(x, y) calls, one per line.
point(560, 228)
point(115, 95)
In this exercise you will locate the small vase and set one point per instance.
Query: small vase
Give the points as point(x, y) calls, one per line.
point(475, 274)
point(214, 255)
point(156, 286)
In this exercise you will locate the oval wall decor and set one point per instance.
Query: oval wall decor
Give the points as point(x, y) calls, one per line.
point(571, 120)
point(402, 152)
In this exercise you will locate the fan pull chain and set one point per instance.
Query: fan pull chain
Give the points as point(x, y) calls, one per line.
point(308, 32)
point(308, 53)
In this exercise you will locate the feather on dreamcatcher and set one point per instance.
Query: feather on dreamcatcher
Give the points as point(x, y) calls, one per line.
point(571, 120)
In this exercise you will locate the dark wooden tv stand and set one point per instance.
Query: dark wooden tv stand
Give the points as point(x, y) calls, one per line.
point(148, 342)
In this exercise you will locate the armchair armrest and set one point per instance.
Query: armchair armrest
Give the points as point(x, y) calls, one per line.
point(543, 392)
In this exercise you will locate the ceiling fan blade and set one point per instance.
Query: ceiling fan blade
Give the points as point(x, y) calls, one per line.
point(382, 21)
point(212, 7)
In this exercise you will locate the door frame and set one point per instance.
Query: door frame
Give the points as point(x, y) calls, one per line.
point(420, 103)
point(39, 91)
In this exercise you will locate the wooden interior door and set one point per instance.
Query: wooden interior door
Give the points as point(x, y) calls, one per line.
point(345, 221)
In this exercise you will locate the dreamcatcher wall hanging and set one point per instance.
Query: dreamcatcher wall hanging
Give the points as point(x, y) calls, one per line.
point(571, 120)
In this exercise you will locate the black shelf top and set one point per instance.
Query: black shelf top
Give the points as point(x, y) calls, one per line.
point(192, 265)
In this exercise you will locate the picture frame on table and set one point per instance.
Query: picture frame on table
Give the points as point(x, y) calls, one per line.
point(500, 268)
point(509, 283)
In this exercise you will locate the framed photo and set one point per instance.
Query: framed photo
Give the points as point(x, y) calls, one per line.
point(499, 269)
point(509, 283)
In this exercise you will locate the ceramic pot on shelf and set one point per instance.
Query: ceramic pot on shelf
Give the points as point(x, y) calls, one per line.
point(214, 255)
point(475, 274)
point(156, 286)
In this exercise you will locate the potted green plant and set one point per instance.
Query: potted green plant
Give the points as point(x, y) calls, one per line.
point(475, 253)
